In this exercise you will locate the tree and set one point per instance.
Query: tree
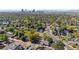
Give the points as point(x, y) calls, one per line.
point(50, 40)
point(58, 45)
point(3, 37)
point(11, 29)
point(24, 38)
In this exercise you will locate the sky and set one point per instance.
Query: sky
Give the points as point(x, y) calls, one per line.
point(39, 4)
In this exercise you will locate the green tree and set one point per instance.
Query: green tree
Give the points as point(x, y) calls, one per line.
point(58, 45)
point(3, 37)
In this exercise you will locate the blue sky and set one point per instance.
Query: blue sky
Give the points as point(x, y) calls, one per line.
point(39, 4)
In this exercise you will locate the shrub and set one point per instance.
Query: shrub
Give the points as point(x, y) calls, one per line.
point(3, 37)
